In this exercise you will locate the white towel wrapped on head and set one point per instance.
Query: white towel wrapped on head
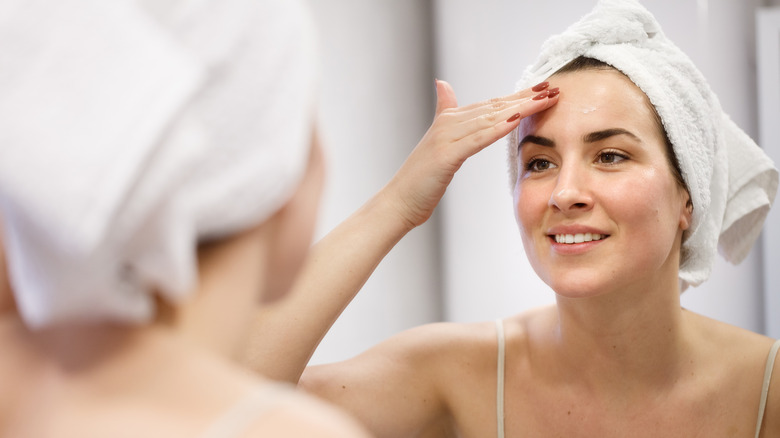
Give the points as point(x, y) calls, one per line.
point(129, 135)
point(731, 180)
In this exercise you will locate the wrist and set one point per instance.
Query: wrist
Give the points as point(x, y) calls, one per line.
point(392, 210)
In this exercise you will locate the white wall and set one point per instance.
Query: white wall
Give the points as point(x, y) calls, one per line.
point(377, 101)
point(768, 41)
point(467, 264)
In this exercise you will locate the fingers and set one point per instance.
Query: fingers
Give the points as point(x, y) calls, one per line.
point(445, 96)
point(516, 96)
point(485, 129)
point(462, 124)
point(495, 108)
point(455, 135)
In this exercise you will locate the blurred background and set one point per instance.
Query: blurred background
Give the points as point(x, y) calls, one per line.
point(379, 59)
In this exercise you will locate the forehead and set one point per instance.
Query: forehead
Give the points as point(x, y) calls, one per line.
point(593, 100)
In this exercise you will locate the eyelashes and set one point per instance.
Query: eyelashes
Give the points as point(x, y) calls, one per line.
point(611, 157)
point(605, 158)
point(538, 165)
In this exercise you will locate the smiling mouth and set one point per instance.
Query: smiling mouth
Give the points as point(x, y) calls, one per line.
point(578, 238)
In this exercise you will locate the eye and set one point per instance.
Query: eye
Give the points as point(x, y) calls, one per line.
point(611, 157)
point(539, 165)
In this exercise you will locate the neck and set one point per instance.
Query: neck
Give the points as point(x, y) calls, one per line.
point(76, 349)
point(626, 339)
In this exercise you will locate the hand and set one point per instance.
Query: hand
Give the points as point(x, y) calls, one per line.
point(455, 135)
point(339, 264)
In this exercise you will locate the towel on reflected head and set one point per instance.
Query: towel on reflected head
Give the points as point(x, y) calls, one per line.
point(131, 132)
point(732, 181)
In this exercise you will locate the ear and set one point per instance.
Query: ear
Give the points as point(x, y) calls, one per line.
point(686, 213)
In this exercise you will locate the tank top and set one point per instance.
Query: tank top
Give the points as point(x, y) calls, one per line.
point(770, 361)
point(239, 417)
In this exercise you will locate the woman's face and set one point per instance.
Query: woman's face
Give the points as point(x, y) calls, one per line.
point(596, 202)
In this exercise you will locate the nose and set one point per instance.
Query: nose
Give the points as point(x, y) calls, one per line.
point(572, 190)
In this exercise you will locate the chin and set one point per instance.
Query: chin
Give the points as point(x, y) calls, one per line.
point(577, 292)
point(584, 285)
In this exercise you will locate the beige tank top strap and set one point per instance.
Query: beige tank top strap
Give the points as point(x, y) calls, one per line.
point(770, 364)
point(239, 417)
point(500, 378)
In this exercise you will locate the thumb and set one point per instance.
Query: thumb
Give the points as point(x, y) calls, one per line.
point(445, 96)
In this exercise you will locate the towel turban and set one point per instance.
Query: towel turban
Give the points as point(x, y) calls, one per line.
point(132, 132)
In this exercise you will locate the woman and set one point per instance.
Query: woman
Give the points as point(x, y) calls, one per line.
point(620, 200)
point(161, 203)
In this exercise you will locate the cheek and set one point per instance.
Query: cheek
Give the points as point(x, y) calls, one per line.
point(531, 200)
point(645, 202)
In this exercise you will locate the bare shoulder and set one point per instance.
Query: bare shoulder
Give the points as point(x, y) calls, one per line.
point(300, 415)
point(417, 356)
point(442, 337)
point(743, 355)
point(456, 338)
point(404, 385)
point(451, 343)
point(729, 338)
point(734, 350)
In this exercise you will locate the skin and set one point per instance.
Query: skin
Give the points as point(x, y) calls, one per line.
point(178, 374)
point(617, 356)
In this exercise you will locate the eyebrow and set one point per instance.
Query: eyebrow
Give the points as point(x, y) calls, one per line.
point(592, 137)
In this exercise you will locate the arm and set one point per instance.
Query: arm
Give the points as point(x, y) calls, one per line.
point(395, 388)
point(342, 261)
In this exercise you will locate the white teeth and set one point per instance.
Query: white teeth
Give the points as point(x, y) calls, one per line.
point(577, 238)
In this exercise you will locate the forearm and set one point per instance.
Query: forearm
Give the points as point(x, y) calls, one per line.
point(285, 335)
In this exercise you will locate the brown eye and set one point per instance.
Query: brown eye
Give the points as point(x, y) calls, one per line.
point(539, 165)
point(611, 158)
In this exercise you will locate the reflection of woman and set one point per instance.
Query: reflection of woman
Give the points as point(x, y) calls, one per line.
point(623, 190)
point(169, 193)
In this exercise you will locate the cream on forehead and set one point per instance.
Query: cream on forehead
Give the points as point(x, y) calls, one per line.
point(584, 109)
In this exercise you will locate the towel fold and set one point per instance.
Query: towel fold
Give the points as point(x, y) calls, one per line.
point(732, 181)
point(129, 135)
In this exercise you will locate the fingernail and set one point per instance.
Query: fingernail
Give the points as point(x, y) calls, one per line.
point(436, 84)
point(513, 118)
point(541, 86)
point(553, 92)
point(541, 95)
